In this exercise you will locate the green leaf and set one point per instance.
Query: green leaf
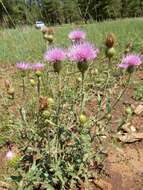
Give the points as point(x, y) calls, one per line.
point(108, 105)
point(16, 178)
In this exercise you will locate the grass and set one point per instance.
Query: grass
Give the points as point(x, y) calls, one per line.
point(27, 43)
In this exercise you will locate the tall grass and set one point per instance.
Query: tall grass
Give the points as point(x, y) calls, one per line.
point(27, 43)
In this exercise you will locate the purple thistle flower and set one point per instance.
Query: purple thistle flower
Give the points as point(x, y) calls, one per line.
point(9, 155)
point(23, 66)
point(130, 61)
point(37, 67)
point(55, 55)
point(77, 35)
point(82, 52)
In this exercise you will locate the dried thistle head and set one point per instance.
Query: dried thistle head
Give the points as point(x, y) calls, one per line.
point(50, 31)
point(43, 103)
point(7, 84)
point(110, 40)
point(46, 30)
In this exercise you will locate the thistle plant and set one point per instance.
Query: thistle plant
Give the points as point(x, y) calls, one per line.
point(38, 69)
point(129, 63)
point(23, 67)
point(48, 35)
point(110, 50)
point(82, 54)
point(56, 56)
point(110, 53)
point(60, 151)
point(77, 36)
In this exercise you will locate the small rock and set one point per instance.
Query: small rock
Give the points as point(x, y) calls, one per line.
point(129, 128)
point(104, 136)
point(138, 110)
point(133, 129)
point(126, 127)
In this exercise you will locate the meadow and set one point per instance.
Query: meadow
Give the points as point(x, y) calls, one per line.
point(27, 43)
point(69, 126)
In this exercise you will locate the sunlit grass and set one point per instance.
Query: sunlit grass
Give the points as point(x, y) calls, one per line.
point(27, 43)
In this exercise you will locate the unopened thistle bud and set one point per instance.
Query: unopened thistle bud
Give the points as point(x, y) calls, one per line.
point(49, 38)
point(79, 79)
point(38, 73)
point(110, 40)
point(50, 101)
point(32, 82)
point(82, 119)
point(46, 114)
point(110, 52)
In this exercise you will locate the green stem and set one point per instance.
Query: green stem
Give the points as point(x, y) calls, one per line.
point(23, 86)
point(108, 75)
point(117, 100)
point(59, 100)
point(122, 93)
point(38, 86)
point(49, 147)
point(106, 84)
point(38, 95)
point(82, 94)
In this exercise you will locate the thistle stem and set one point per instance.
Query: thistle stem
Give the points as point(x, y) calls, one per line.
point(23, 86)
point(117, 100)
point(108, 74)
point(59, 100)
point(123, 91)
point(49, 147)
point(82, 93)
point(38, 95)
point(38, 86)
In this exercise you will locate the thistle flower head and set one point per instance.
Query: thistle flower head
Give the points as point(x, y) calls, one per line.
point(47, 30)
point(23, 66)
point(82, 52)
point(9, 155)
point(54, 55)
point(77, 35)
point(130, 61)
point(37, 67)
point(110, 40)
